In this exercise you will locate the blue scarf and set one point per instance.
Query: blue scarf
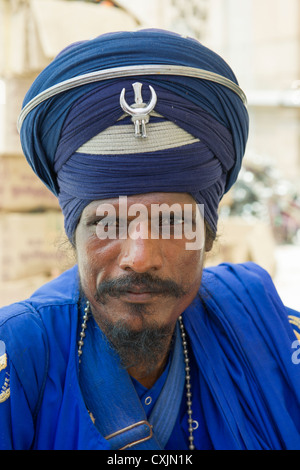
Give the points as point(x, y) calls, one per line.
point(242, 342)
point(111, 397)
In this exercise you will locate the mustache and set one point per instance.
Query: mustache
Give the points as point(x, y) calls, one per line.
point(145, 281)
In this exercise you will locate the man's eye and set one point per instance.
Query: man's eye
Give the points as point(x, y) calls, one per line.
point(172, 220)
point(107, 222)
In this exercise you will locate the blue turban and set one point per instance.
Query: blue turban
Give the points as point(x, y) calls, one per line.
point(58, 135)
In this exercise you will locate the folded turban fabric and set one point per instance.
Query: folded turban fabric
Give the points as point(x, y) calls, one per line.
point(82, 145)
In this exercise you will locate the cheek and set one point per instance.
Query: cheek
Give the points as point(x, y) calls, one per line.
point(192, 268)
point(85, 269)
point(95, 258)
point(85, 253)
point(192, 276)
point(185, 266)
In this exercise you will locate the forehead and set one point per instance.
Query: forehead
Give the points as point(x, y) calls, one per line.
point(146, 199)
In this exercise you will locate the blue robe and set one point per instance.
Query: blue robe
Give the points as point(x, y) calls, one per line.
point(245, 367)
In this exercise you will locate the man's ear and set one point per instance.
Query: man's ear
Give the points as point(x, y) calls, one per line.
point(208, 244)
point(209, 237)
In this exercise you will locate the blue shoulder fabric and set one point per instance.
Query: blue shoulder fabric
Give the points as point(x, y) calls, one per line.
point(23, 372)
point(27, 349)
point(22, 330)
point(242, 341)
point(26, 355)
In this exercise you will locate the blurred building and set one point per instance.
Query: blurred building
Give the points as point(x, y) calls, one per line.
point(261, 41)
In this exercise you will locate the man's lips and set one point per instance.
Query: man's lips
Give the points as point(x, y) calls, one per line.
point(141, 290)
point(140, 294)
point(139, 287)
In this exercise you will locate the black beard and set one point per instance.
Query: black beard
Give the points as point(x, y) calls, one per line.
point(142, 349)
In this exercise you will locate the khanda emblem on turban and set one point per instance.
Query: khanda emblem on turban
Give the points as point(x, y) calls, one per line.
point(139, 111)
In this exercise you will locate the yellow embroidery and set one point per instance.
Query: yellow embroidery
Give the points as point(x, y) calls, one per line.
point(297, 334)
point(92, 417)
point(294, 320)
point(4, 395)
point(5, 390)
point(3, 361)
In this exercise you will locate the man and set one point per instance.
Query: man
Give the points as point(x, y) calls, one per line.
point(138, 347)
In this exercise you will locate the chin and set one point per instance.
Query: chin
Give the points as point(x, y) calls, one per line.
point(140, 342)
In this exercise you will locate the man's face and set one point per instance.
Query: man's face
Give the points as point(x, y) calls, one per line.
point(139, 278)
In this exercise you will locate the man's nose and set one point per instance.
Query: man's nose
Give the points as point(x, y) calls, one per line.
point(141, 255)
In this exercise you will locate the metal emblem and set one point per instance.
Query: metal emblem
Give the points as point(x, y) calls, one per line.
point(139, 111)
